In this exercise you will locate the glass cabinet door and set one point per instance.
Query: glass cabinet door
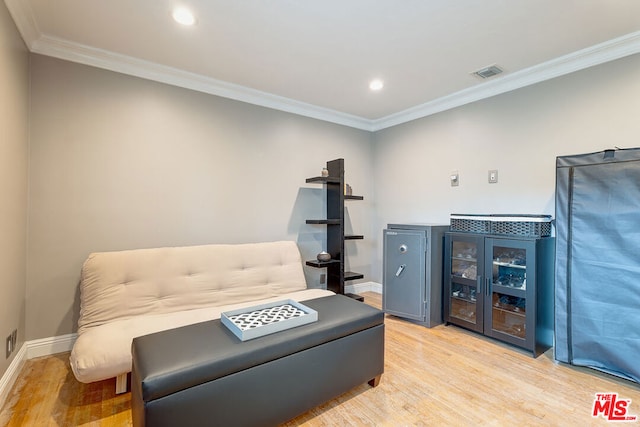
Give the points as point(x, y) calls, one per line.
point(463, 298)
point(509, 262)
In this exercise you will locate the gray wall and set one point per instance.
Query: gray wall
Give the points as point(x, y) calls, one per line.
point(519, 133)
point(14, 109)
point(119, 162)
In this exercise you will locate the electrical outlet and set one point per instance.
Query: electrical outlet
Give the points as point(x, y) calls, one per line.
point(11, 343)
point(493, 176)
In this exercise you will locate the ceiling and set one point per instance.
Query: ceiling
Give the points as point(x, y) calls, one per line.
point(316, 58)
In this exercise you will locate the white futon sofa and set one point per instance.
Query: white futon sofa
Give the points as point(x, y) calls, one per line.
point(127, 294)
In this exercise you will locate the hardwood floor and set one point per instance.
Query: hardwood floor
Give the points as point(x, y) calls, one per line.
point(439, 376)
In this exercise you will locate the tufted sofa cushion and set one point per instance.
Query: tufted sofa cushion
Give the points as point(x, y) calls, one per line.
point(124, 284)
point(132, 293)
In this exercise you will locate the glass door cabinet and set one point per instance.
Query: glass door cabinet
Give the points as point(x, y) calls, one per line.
point(463, 300)
point(506, 285)
point(501, 287)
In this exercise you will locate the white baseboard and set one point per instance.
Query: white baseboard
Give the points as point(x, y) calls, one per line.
point(30, 350)
point(51, 345)
point(11, 374)
point(364, 287)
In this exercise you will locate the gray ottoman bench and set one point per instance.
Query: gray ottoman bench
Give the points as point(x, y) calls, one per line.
point(203, 375)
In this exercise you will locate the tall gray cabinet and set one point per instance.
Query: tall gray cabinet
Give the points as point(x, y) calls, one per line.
point(412, 272)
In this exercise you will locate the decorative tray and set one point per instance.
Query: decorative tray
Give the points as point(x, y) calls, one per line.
point(264, 319)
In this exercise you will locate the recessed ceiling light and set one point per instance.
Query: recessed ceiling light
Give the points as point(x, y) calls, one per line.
point(183, 16)
point(376, 84)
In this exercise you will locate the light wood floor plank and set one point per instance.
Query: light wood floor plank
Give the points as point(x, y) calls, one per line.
point(433, 377)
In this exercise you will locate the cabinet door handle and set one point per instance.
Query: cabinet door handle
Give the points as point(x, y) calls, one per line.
point(479, 285)
point(400, 270)
point(486, 287)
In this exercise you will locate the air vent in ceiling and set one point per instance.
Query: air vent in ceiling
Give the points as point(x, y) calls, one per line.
point(487, 72)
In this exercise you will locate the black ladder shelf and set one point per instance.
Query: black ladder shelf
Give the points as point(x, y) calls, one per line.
point(334, 186)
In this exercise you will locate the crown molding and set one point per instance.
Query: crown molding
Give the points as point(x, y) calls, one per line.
point(576, 61)
point(40, 43)
point(22, 14)
point(87, 55)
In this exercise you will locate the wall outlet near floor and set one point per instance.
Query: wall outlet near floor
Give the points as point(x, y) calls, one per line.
point(11, 343)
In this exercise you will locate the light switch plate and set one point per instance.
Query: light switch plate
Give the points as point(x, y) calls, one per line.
point(493, 176)
point(455, 178)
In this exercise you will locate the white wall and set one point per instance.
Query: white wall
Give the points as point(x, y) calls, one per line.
point(14, 109)
point(518, 133)
point(119, 162)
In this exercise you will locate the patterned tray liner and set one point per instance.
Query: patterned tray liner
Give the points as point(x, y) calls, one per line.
point(264, 319)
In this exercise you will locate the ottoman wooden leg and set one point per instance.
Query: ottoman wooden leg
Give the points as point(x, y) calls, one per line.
point(374, 382)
